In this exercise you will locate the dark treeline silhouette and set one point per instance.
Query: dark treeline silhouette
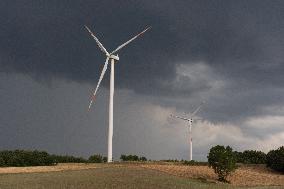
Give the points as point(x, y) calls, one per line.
point(97, 159)
point(124, 157)
point(185, 162)
point(250, 157)
point(23, 158)
point(275, 159)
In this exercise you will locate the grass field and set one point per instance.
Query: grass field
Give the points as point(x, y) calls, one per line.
point(73, 176)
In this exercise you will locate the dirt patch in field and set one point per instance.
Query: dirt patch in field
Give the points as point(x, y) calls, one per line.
point(243, 176)
point(59, 167)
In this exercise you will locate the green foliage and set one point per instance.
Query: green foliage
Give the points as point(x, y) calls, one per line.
point(192, 162)
point(185, 162)
point(132, 158)
point(171, 160)
point(250, 157)
point(142, 158)
point(275, 159)
point(97, 159)
point(222, 160)
point(2, 162)
point(21, 158)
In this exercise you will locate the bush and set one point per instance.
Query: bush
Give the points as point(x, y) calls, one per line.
point(275, 159)
point(2, 162)
point(192, 162)
point(142, 158)
point(222, 160)
point(171, 160)
point(132, 158)
point(97, 159)
point(250, 157)
point(23, 158)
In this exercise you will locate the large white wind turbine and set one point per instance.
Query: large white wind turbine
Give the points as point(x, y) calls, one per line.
point(112, 58)
point(189, 119)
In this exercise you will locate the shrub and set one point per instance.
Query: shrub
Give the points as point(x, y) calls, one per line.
point(222, 160)
point(97, 159)
point(171, 160)
point(23, 158)
point(275, 159)
point(2, 162)
point(250, 157)
point(132, 158)
point(192, 162)
point(142, 158)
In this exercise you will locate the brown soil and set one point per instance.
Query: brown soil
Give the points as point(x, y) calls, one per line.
point(59, 167)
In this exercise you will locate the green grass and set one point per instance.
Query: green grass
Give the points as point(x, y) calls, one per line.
point(105, 177)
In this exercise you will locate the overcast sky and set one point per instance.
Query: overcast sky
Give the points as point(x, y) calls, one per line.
point(227, 53)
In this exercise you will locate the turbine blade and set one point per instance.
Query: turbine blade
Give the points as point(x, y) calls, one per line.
point(197, 109)
point(129, 41)
point(183, 118)
point(101, 78)
point(97, 40)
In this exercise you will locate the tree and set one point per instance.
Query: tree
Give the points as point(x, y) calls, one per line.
point(142, 158)
point(250, 157)
point(97, 158)
point(123, 157)
point(130, 157)
point(275, 159)
point(222, 160)
point(2, 162)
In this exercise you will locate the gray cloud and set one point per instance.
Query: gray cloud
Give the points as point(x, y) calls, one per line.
point(228, 53)
point(241, 39)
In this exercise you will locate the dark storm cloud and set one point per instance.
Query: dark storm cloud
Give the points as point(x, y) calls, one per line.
point(242, 41)
point(47, 37)
point(228, 53)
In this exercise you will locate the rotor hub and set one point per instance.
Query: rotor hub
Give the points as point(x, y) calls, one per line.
point(115, 57)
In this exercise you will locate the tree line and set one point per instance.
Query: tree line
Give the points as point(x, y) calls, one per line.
point(23, 158)
point(130, 157)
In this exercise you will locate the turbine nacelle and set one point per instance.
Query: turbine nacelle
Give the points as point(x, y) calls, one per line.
point(112, 56)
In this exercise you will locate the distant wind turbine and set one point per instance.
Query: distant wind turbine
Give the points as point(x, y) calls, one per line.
point(190, 120)
point(113, 58)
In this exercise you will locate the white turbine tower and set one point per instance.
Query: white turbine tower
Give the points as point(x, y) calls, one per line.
point(189, 119)
point(112, 58)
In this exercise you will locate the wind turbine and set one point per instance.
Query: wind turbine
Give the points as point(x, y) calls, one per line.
point(112, 58)
point(190, 120)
